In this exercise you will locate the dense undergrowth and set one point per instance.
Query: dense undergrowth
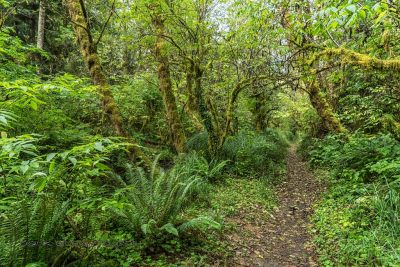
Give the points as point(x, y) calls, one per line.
point(72, 207)
point(357, 222)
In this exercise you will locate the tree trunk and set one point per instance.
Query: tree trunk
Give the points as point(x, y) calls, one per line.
point(41, 23)
point(205, 110)
point(88, 50)
point(192, 105)
point(165, 84)
point(259, 113)
point(324, 110)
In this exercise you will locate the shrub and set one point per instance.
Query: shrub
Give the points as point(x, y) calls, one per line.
point(31, 229)
point(253, 154)
point(306, 145)
point(365, 158)
point(198, 143)
point(195, 164)
point(247, 153)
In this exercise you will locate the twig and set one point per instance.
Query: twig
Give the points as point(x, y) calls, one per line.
point(105, 24)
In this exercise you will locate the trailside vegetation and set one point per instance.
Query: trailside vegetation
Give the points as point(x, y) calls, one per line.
point(133, 132)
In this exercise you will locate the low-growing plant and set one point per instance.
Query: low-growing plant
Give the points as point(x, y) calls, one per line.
point(151, 205)
point(31, 229)
point(357, 222)
point(252, 154)
point(195, 164)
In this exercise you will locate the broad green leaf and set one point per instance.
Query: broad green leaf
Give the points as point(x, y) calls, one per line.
point(50, 156)
point(170, 228)
point(73, 160)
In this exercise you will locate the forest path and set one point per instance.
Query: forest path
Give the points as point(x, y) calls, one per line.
point(282, 240)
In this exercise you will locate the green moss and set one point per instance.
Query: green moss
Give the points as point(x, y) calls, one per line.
point(354, 58)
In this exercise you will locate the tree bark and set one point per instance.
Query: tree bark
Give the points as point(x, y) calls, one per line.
point(41, 24)
point(205, 109)
point(192, 105)
point(259, 114)
point(349, 57)
point(177, 133)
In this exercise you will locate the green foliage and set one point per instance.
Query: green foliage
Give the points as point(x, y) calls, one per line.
point(358, 225)
point(6, 118)
point(361, 158)
point(151, 205)
point(30, 230)
point(18, 160)
point(63, 174)
point(141, 106)
point(198, 143)
point(357, 221)
point(14, 55)
point(248, 153)
point(234, 196)
point(251, 154)
point(195, 164)
point(49, 203)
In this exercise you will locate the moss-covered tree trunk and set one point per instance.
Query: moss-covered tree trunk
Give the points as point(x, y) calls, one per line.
point(324, 110)
point(76, 9)
point(259, 114)
point(165, 84)
point(192, 105)
point(88, 50)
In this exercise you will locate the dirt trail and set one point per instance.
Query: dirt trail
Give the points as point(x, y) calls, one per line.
point(283, 240)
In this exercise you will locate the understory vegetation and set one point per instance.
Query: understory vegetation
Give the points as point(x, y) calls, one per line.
point(357, 222)
point(139, 133)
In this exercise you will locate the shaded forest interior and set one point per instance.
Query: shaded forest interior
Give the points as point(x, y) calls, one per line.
point(163, 132)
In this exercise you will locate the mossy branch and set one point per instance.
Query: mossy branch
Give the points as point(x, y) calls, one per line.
point(354, 58)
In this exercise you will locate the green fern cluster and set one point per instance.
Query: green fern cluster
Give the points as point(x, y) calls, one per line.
point(195, 164)
point(30, 229)
point(152, 204)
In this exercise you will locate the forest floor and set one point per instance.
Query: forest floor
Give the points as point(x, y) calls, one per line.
point(283, 239)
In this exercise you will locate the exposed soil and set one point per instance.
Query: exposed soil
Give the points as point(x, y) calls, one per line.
point(283, 239)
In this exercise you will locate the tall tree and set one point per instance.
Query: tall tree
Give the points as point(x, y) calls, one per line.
point(164, 77)
point(301, 41)
point(88, 50)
